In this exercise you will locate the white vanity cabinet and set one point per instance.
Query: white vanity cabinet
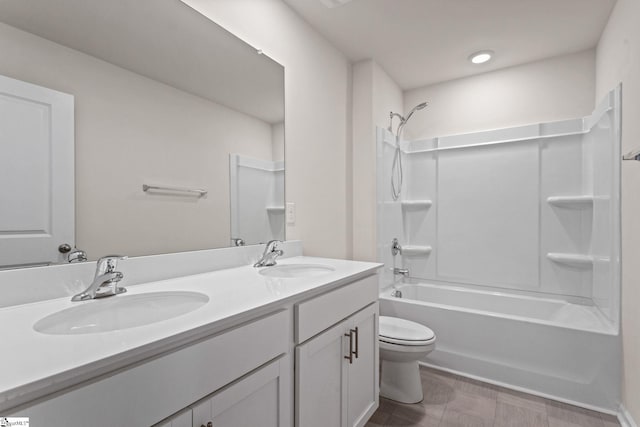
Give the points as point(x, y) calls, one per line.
point(337, 369)
point(310, 356)
point(229, 363)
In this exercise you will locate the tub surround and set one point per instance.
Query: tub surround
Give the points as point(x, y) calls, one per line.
point(51, 363)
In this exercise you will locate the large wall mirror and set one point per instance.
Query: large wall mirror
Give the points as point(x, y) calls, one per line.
point(170, 129)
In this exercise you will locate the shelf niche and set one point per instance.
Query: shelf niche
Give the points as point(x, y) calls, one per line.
point(571, 260)
point(571, 202)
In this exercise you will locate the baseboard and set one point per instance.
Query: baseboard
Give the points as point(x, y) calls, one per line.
point(625, 418)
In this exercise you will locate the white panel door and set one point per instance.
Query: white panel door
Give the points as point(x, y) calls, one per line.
point(36, 173)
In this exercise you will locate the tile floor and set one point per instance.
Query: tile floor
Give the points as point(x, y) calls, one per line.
point(454, 401)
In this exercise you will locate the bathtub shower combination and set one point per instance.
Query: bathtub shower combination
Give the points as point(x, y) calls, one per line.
point(511, 239)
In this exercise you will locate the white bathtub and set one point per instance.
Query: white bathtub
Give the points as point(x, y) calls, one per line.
point(552, 348)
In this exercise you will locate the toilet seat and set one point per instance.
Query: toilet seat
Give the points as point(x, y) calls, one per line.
point(393, 330)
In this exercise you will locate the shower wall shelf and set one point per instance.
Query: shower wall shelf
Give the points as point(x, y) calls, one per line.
point(571, 201)
point(416, 204)
point(416, 250)
point(571, 260)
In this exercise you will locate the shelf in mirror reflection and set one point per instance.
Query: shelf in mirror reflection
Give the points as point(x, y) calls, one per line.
point(575, 202)
point(275, 209)
point(416, 204)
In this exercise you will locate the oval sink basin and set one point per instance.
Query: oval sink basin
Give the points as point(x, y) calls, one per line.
point(297, 270)
point(120, 312)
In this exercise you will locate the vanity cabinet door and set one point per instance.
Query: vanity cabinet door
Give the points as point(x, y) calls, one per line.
point(321, 379)
point(363, 389)
point(259, 399)
point(337, 373)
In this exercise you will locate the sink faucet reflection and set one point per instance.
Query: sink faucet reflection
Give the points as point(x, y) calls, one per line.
point(105, 282)
point(270, 254)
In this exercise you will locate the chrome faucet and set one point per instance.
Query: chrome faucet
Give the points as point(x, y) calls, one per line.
point(105, 282)
point(270, 254)
point(76, 255)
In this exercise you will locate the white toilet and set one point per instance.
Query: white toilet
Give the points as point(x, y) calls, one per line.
point(402, 344)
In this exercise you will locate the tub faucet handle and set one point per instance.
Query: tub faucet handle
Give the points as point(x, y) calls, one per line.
point(395, 247)
point(401, 272)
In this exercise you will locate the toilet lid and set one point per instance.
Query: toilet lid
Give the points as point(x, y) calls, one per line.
point(402, 331)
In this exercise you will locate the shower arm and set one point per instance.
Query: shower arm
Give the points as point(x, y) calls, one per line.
point(391, 116)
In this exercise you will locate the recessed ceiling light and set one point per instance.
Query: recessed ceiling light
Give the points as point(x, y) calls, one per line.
point(334, 3)
point(481, 57)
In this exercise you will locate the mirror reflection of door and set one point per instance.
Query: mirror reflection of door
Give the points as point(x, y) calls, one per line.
point(256, 195)
point(36, 172)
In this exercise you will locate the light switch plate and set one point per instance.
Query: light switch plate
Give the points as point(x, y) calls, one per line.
point(291, 213)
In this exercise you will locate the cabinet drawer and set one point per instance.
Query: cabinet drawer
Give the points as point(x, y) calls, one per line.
point(169, 383)
point(319, 313)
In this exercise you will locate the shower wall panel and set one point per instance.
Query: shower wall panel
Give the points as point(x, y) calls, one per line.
point(487, 213)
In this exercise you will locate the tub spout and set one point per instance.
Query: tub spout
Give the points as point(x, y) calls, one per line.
point(396, 293)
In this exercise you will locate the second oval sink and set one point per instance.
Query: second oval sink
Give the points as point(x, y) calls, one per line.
point(120, 312)
point(297, 270)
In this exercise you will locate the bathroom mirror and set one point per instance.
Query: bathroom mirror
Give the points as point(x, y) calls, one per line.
point(162, 98)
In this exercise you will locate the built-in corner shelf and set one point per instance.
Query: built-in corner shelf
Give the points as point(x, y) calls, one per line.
point(275, 209)
point(575, 202)
point(416, 204)
point(571, 260)
point(416, 250)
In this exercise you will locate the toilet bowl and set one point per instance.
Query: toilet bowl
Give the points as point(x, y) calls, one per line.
point(402, 344)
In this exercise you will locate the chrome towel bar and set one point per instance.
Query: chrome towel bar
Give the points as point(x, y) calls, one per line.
point(195, 191)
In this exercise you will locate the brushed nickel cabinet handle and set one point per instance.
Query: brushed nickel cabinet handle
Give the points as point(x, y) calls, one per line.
point(350, 356)
point(356, 331)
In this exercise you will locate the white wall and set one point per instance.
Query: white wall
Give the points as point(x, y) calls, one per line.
point(375, 94)
point(277, 141)
point(548, 90)
point(316, 124)
point(618, 60)
point(132, 130)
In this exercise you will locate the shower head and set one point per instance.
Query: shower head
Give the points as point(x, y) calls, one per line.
point(413, 110)
point(396, 168)
point(403, 120)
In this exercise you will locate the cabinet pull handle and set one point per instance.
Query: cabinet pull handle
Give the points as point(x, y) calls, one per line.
point(356, 331)
point(350, 356)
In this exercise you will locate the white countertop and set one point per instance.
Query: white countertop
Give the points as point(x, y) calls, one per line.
point(34, 364)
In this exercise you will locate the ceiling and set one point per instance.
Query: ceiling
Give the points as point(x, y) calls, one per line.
point(164, 40)
point(421, 42)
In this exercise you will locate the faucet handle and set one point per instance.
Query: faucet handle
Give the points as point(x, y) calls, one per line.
point(272, 245)
point(108, 263)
